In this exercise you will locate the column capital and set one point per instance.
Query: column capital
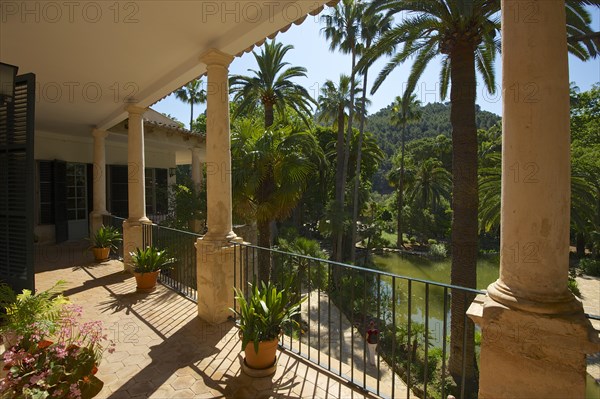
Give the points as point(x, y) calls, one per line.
point(99, 133)
point(134, 109)
point(196, 150)
point(216, 57)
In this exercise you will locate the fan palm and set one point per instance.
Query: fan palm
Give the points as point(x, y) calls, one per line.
point(334, 105)
point(192, 93)
point(343, 30)
point(271, 171)
point(271, 86)
point(465, 33)
point(404, 110)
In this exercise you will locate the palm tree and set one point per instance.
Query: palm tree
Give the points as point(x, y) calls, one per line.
point(404, 110)
point(465, 33)
point(271, 86)
point(192, 94)
point(271, 171)
point(431, 184)
point(372, 26)
point(342, 30)
point(334, 105)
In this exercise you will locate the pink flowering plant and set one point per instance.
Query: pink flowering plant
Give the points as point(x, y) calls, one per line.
point(56, 360)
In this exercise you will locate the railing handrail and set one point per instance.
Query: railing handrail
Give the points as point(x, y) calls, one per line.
point(364, 269)
point(174, 230)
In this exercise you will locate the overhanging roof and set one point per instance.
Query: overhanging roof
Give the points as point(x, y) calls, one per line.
point(91, 58)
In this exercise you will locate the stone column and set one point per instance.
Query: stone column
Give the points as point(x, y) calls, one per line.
point(99, 183)
point(132, 227)
point(215, 251)
point(535, 334)
point(196, 167)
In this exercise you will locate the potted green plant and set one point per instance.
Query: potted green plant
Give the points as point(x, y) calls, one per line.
point(147, 264)
point(23, 310)
point(105, 240)
point(262, 316)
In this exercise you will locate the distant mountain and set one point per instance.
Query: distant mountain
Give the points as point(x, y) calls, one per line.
point(435, 120)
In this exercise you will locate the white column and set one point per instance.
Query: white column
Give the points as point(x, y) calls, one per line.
point(534, 329)
point(132, 227)
point(196, 167)
point(215, 260)
point(218, 147)
point(99, 182)
point(136, 165)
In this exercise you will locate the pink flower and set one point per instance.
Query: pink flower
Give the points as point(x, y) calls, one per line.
point(74, 391)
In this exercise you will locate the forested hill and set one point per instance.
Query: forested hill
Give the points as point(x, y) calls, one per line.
point(435, 120)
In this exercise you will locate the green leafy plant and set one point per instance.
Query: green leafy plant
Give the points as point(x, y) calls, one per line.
point(150, 260)
point(265, 312)
point(590, 266)
point(28, 308)
point(106, 237)
point(438, 251)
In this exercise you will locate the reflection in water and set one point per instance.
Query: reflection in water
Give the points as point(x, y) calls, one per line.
point(431, 270)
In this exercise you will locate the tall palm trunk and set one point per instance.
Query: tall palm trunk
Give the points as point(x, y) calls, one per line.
point(357, 172)
point(339, 185)
point(269, 115)
point(347, 153)
point(464, 206)
point(400, 240)
point(191, 113)
point(265, 191)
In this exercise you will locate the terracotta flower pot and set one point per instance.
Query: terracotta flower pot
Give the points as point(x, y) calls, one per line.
point(146, 282)
point(265, 357)
point(101, 254)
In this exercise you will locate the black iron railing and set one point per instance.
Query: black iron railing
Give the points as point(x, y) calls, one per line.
point(180, 245)
point(117, 223)
point(412, 315)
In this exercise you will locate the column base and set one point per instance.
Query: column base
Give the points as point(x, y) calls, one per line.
point(133, 238)
point(531, 355)
point(96, 221)
point(215, 264)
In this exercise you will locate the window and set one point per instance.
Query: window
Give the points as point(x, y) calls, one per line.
point(76, 191)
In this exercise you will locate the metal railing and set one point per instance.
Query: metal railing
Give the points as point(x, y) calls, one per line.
point(117, 223)
point(179, 245)
point(412, 315)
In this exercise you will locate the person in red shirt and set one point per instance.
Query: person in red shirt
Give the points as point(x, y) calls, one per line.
point(372, 338)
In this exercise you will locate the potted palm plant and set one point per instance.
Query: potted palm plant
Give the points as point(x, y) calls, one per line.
point(147, 264)
point(105, 240)
point(262, 316)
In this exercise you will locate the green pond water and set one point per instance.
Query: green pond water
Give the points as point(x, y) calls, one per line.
point(438, 271)
point(427, 301)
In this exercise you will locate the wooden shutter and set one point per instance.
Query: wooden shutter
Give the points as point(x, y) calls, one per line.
point(16, 186)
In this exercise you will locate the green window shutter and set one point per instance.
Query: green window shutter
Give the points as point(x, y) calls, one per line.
point(16, 185)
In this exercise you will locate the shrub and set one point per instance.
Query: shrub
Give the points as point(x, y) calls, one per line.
point(590, 266)
point(572, 284)
point(431, 241)
point(438, 251)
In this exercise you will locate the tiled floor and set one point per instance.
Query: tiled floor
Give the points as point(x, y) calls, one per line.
point(163, 350)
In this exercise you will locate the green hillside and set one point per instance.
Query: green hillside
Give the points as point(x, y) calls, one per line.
point(435, 121)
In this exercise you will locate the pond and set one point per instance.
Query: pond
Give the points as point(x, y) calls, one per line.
point(431, 270)
point(435, 270)
point(438, 271)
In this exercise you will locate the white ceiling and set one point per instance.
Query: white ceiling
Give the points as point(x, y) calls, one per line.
point(90, 58)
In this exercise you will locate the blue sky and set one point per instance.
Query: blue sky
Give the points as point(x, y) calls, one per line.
point(311, 50)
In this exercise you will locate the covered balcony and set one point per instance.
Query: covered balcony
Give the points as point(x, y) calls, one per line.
point(535, 334)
